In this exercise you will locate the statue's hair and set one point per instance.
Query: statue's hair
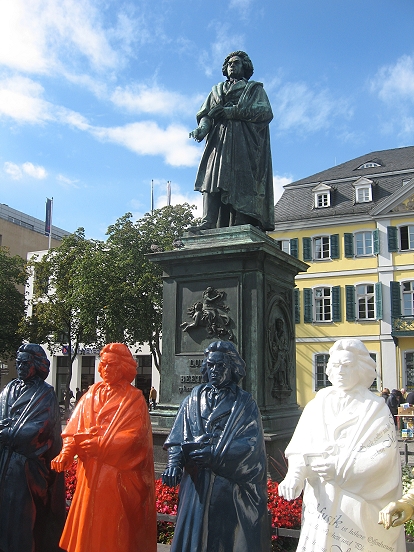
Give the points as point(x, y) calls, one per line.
point(247, 64)
point(237, 364)
point(365, 364)
point(38, 357)
point(126, 362)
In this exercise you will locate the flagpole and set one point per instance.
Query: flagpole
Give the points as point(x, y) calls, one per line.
point(152, 197)
point(50, 230)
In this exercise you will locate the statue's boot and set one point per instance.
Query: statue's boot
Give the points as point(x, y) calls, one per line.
point(211, 207)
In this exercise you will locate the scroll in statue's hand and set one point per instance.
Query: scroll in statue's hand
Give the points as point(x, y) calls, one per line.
point(88, 447)
point(325, 469)
point(401, 512)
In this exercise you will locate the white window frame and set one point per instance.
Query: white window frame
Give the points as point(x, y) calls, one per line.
point(407, 293)
point(367, 298)
point(363, 194)
point(322, 199)
point(322, 305)
point(323, 248)
point(410, 236)
point(284, 245)
point(364, 234)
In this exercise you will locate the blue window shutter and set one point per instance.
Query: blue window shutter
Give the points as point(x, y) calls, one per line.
point(294, 247)
point(375, 239)
point(297, 305)
point(307, 311)
point(392, 234)
point(307, 249)
point(335, 246)
point(395, 299)
point(378, 300)
point(350, 303)
point(336, 304)
point(349, 245)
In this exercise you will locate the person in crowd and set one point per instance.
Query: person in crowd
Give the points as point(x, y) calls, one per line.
point(385, 393)
point(32, 497)
point(153, 397)
point(410, 398)
point(217, 447)
point(113, 507)
point(393, 402)
point(344, 454)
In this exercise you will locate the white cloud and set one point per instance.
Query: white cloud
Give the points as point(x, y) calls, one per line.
point(296, 106)
point(278, 183)
point(242, 5)
point(13, 170)
point(17, 171)
point(40, 35)
point(20, 99)
point(66, 182)
point(395, 82)
point(147, 138)
point(226, 42)
point(141, 98)
point(35, 171)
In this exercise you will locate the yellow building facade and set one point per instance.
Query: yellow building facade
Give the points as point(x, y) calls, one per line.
point(354, 226)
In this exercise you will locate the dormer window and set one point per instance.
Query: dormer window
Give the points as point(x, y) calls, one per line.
point(369, 165)
point(363, 190)
point(322, 196)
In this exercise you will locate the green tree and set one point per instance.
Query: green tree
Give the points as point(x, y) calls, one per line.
point(64, 312)
point(133, 309)
point(13, 273)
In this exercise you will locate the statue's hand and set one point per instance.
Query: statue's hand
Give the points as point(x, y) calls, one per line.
point(89, 447)
point(326, 469)
point(61, 462)
point(172, 476)
point(216, 112)
point(400, 509)
point(202, 457)
point(290, 488)
point(198, 134)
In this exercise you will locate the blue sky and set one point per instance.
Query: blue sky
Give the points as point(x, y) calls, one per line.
point(97, 97)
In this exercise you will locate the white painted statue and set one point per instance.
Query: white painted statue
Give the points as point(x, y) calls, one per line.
point(344, 454)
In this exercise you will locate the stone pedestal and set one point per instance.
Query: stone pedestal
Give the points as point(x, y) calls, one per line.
point(230, 284)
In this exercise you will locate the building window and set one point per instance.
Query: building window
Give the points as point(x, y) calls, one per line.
point(88, 372)
point(406, 238)
point(322, 199)
point(409, 370)
point(62, 371)
point(321, 379)
point(322, 304)
point(321, 248)
point(365, 296)
point(369, 165)
point(363, 244)
point(363, 194)
point(284, 245)
point(408, 298)
point(374, 385)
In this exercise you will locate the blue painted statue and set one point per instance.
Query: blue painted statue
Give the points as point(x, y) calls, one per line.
point(216, 449)
point(32, 496)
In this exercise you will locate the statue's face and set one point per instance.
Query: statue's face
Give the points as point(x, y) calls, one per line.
point(25, 366)
point(344, 370)
point(109, 370)
point(235, 68)
point(219, 373)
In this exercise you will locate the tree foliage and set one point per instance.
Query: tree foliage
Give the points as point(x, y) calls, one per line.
point(93, 292)
point(13, 273)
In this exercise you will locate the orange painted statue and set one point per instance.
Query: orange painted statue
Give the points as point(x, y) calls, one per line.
point(113, 509)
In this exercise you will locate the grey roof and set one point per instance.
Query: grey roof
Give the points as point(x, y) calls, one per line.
point(29, 222)
point(297, 201)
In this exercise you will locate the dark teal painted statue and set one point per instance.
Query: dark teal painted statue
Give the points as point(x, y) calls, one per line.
point(216, 449)
point(32, 496)
point(235, 173)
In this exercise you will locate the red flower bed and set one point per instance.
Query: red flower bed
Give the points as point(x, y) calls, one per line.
point(284, 513)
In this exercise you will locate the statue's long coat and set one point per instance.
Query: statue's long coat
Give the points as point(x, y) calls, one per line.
point(237, 158)
point(222, 508)
point(32, 496)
